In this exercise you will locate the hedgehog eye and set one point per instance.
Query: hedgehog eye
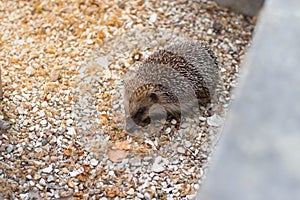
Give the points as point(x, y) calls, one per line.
point(140, 111)
point(153, 97)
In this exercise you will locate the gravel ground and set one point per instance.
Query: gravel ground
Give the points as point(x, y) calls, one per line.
point(62, 113)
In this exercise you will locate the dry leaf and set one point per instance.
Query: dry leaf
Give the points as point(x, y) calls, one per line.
point(50, 49)
point(78, 194)
point(54, 76)
point(101, 35)
point(103, 119)
point(123, 145)
point(68, 151)
point(86, 167)
point(112, 192)
point(105, 95)
point(70, 183)
point(80, 152)
point(117, 155)
point(82, 177)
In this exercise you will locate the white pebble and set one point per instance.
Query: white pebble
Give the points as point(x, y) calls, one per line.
point(168, 130)
point(71, 131)
point(188, 144)
point(130, 191)
point(76, 172)
point(20, 110)
point(25, 122)
point(24, 196)
point(89, 41)
point(139, 195)
point(181, 150)
point(202, 118)
point(94, 162)
point(31, 183)
point(215, 120)
point(29, 177)
point(29, 70)
point(47, 169)
point(29, 40)
point(41, 113)
point(35, 109)
point(10, 148)
point(44, 104)
point(153, 17)
point(44, 122)
point(111, 173)
point(69, 122)
point(50, 178)
point(42, 182)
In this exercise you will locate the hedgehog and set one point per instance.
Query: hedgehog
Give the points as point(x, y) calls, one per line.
point(176, 78)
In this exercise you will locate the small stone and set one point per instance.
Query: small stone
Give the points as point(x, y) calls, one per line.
point(50, 179)
point(29, 40)
point(111, 173)
point(184, 125)
point(31, 183)
point(147, 196)
point(103, 62)
point(35, 109)
point(130, 191)
point(89, 41)
point(140, 195)
point(55, 75)
point(94, 162)
point(24, 196)
point(217, 27)
point(42, 182)
point(181, 150)
point(202, 118)
point(135, 162)
point(43, 122)
point(41, 113)
point(39, 187)
point(36, 176)
point(47, 169)
point(69, 122)
point(25, 122)
point(153, 17)
point(158, 165)
point(20, 110)
point(116, 106)
point(147, 158)
point(74, 173)
point(71, 131)
point(168, 130)
point(188, 144)
point(29, 70)
point(164, 184)
point(29, 177)
point(44, 104)
point(9, 148)
point(215, 120)
point(173, 121)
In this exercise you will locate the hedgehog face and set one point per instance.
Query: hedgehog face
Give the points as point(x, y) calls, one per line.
point(139, 107)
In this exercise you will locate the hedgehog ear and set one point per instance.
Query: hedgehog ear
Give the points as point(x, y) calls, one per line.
point(153, 97)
